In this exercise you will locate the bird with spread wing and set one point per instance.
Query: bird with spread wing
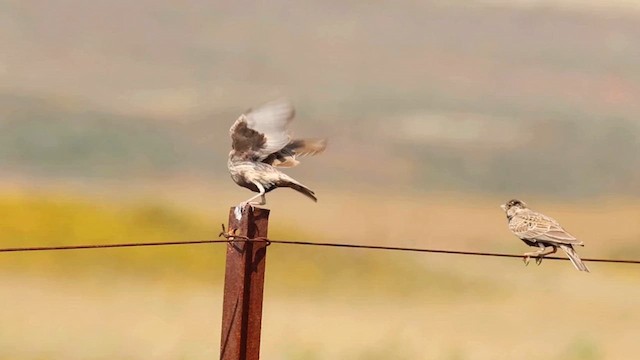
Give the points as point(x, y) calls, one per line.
point(261, 144)
point(537, 229)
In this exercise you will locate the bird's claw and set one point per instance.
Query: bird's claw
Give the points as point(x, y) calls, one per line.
point(526, 259)
point(240, 209)
point(539, 260)
point(238, 212)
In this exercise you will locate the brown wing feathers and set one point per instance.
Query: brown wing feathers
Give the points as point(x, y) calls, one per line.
point(536, 226)
point(245, 139)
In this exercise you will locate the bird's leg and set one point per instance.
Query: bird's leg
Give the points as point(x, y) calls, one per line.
point(538, 254)
point(263, 199)
point(250, 202)
point(528, 255)
point(545, 251)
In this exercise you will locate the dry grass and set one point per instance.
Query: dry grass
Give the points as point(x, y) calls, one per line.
point(330, 303)
point(550, 313)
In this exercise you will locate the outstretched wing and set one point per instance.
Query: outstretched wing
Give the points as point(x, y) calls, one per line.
point(286, 157)
point(262, 131)
point(531, 225)
point(306, 147)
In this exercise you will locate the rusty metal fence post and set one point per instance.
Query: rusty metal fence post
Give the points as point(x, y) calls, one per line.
point(243, 286)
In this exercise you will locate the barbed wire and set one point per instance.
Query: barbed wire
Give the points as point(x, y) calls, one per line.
point(238, 238)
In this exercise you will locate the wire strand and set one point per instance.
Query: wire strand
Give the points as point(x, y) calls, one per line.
point(231, 239)
point(106, 246)
point(441, 251)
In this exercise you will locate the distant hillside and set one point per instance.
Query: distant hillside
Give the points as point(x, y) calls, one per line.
point(425, 151)
point(423, 95)
point(46, 138)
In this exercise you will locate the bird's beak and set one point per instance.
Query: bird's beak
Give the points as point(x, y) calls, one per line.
point(503, 207)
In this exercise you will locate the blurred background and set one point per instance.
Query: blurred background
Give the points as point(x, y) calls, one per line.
point(114, 121)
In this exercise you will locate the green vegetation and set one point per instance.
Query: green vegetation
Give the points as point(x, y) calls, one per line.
point(38, 221)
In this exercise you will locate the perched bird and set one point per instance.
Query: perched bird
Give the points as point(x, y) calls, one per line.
point(537, 229)
point(261, 144)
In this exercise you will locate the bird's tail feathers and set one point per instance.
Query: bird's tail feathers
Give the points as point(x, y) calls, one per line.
point(304, 190)
point(575, 259)
point(291, 183)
